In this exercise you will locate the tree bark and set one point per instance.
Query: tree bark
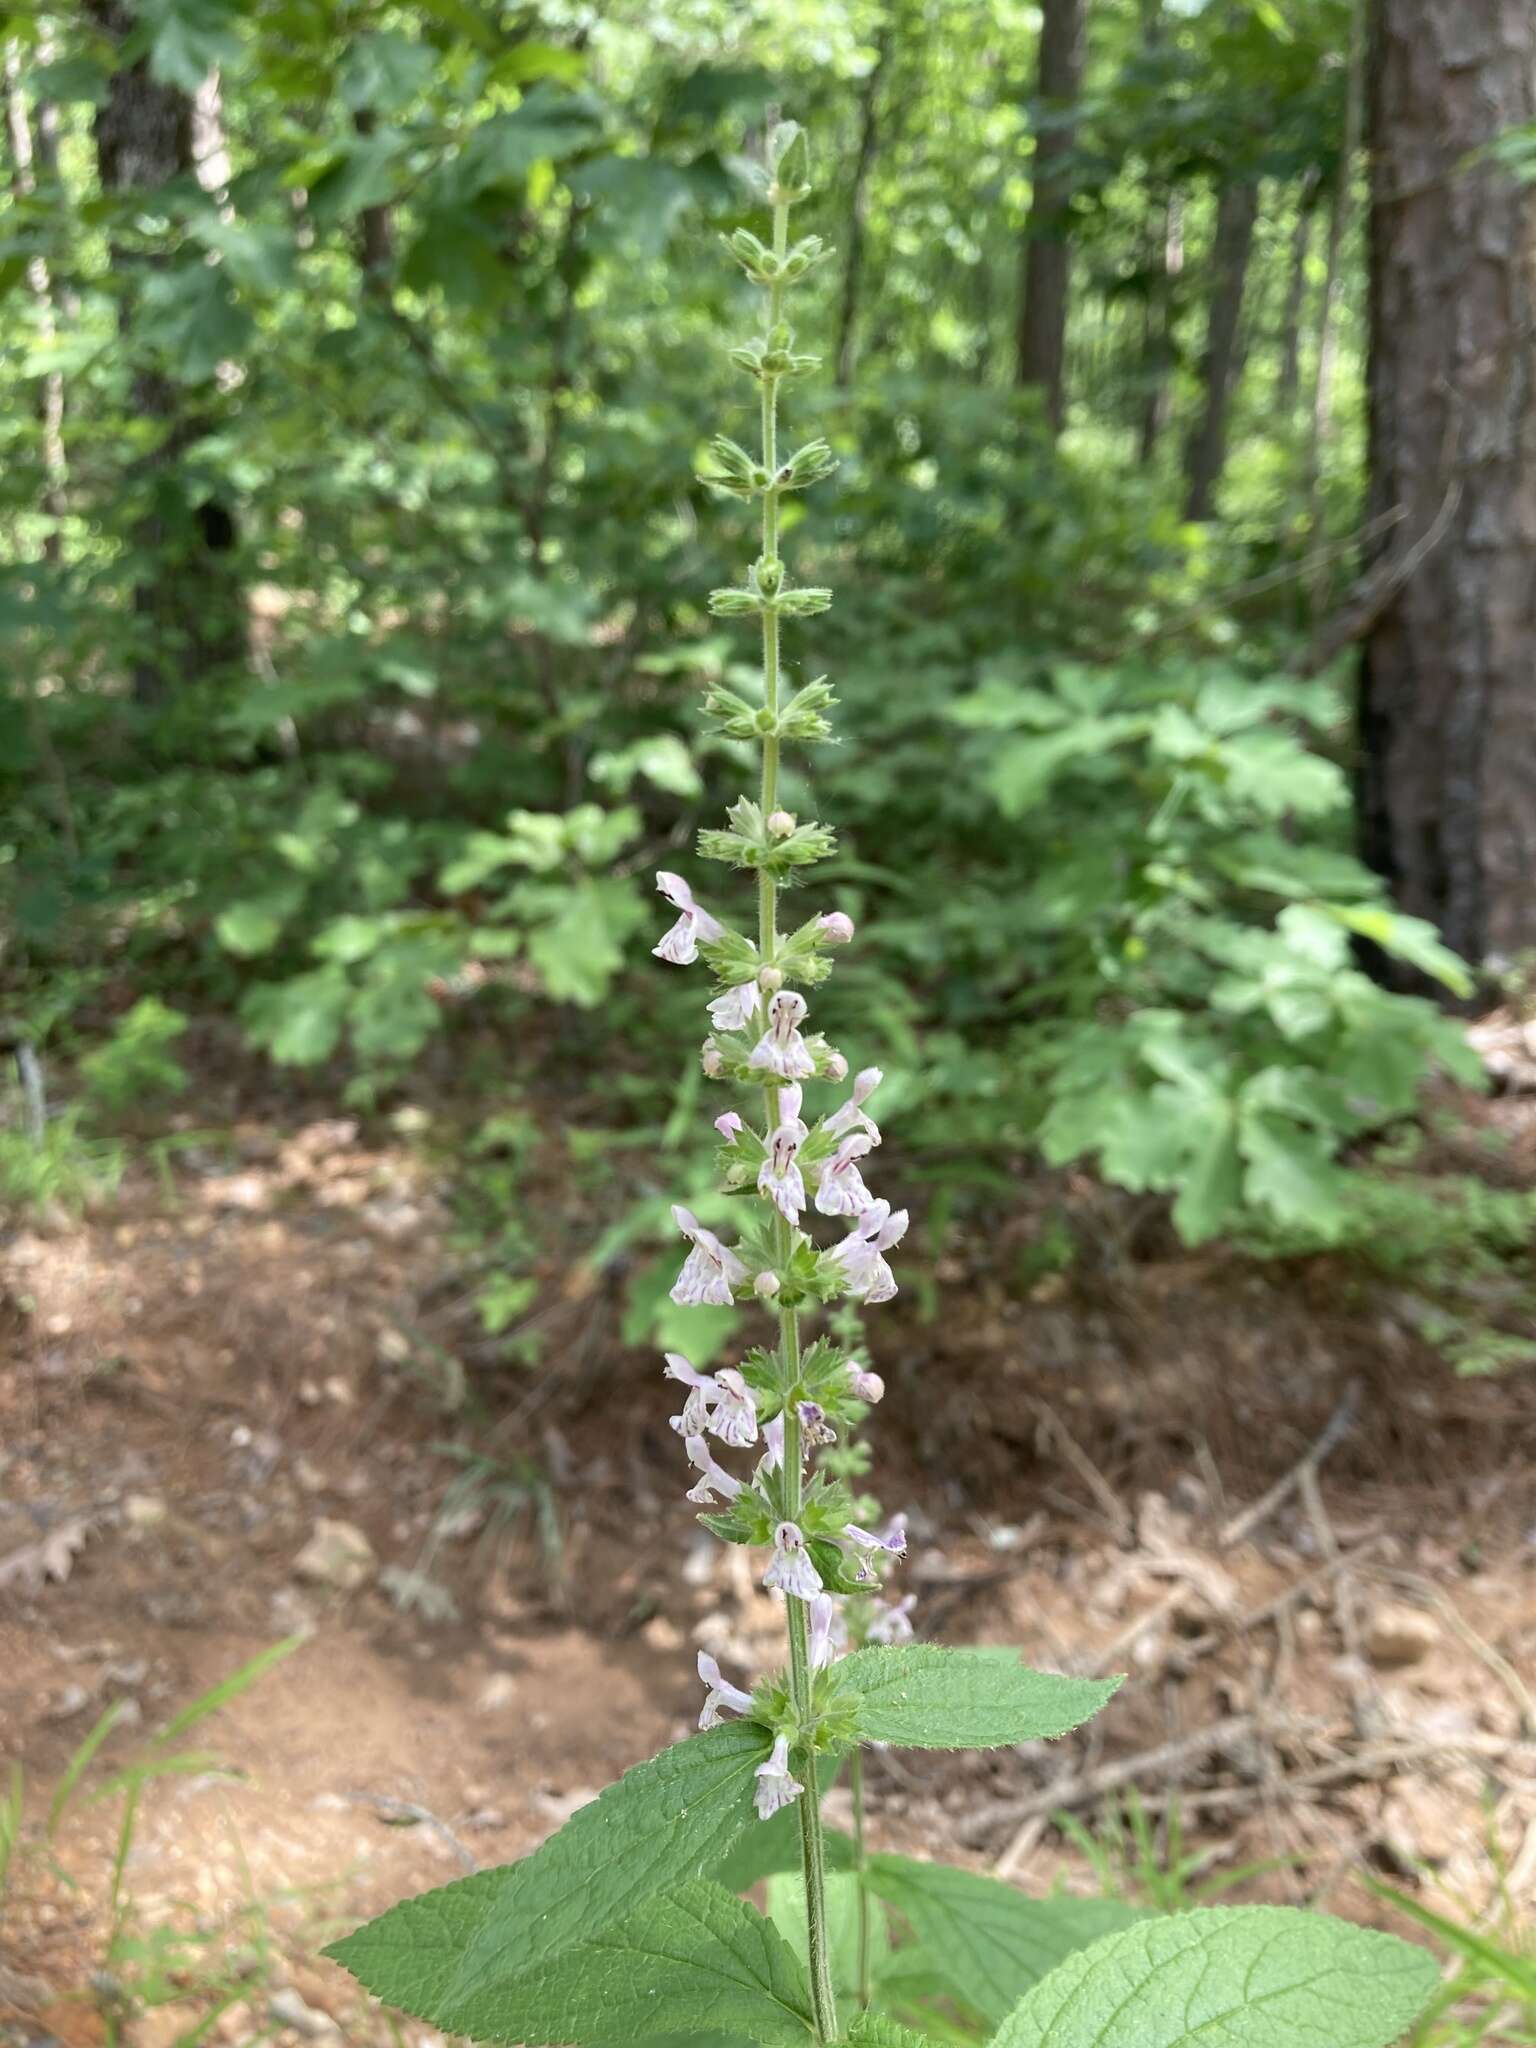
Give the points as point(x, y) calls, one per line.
point(1288, 383)
point(1447, 704)
point(858, 209)
point(1046, 257)
point(188, 600)
point(1237, 211)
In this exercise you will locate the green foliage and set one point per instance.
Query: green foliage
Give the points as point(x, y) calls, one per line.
point(1263, 1975)
point(927, 1697)
point(136, 1062)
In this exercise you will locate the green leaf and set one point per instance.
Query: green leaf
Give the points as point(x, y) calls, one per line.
point(874, 2030)
point(254, 926)
point(188, 39)
point(693, 1959)
point(385, 71)
point(1213, 1187)
point(190, 313)
point(1238, 1976)
point(786, 1909)
point(1412, 939)
point(989, 1942)
point(664, 1822)
point(928, 1697)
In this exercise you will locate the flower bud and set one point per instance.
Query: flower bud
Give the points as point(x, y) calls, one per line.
point(770, 575)
point(770, 980)
point(780, 824)
point(836, 1067)
point(836, 928)
point(766, 1286)
point(710, 1060)
point(781, 336)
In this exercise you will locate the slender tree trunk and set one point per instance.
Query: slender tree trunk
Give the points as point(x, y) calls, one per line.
point(858, 209)
point(1321, 419)
point(188, 599)
point(1157, 337)
point(376, 227)
point(1288, 382)
point(1447, 704)
point(1237, 211)
point(1046, 257)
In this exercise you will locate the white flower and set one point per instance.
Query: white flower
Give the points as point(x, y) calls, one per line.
point(892, 1622)
point(791, 1569)
point(680, 944)
point(735, 1418)
point(710, 1270)
point(702, 1393)
point(779, 1178)
point(790, 1099)
point(775, 1787)
point(701, 1494)
point(734, 1010)
point(836, 928)
point(865, 1386)
point(781, 1050)
point(773, 1445)
point(850, 1116)
point(866, 1275)
point(829, 1631)
point(721, 1693)
point(841, 1190)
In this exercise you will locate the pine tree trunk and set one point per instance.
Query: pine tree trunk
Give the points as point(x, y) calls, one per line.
point(1237, 212)
point(1448, 701)
point(1046, 258)
point(188, 601)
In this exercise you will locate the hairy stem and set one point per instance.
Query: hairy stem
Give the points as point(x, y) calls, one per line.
point(856, 1787)
point(812, 1846)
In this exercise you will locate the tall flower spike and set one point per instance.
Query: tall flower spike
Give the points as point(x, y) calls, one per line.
point(680, 944)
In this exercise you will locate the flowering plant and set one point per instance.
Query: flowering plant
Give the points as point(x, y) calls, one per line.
point(627, 1924)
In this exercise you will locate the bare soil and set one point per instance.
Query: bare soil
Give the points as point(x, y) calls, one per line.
point(226, 1357)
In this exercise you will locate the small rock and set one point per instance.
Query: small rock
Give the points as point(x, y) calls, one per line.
point(288, 2009)
point(337, 1554)
point(144, 1510)
point(497, 1693)
point(1396, 1635)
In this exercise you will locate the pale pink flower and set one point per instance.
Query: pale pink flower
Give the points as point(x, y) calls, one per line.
point(866, 1275)
point(892, 1541)
point(841, 1190)
point(829, 1631)
point(735, 1418)
point(680, 944)
point(836, 928)
point(791, 1569)
point(729, 1126)
point(721, 1693)
point(892, 1622)
point(773, 1445)
point(734, 1010)
point(710, 1060)
point(850, 1115)
point(779, 1177)
point(710, 1270)
point(712, 1476)
point(781, 1050)
point(775, 1787)
point(836, 1068)
point(702, 1393)
point(865, 1386)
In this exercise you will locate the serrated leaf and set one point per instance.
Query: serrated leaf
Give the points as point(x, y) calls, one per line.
point(667, 1820)
point(874, 2030)
point(1212, 1187)
point(692, 1960)
point(1228, 1977)
point(786, 1909)
point(924, 1696)
point(987, 1941)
